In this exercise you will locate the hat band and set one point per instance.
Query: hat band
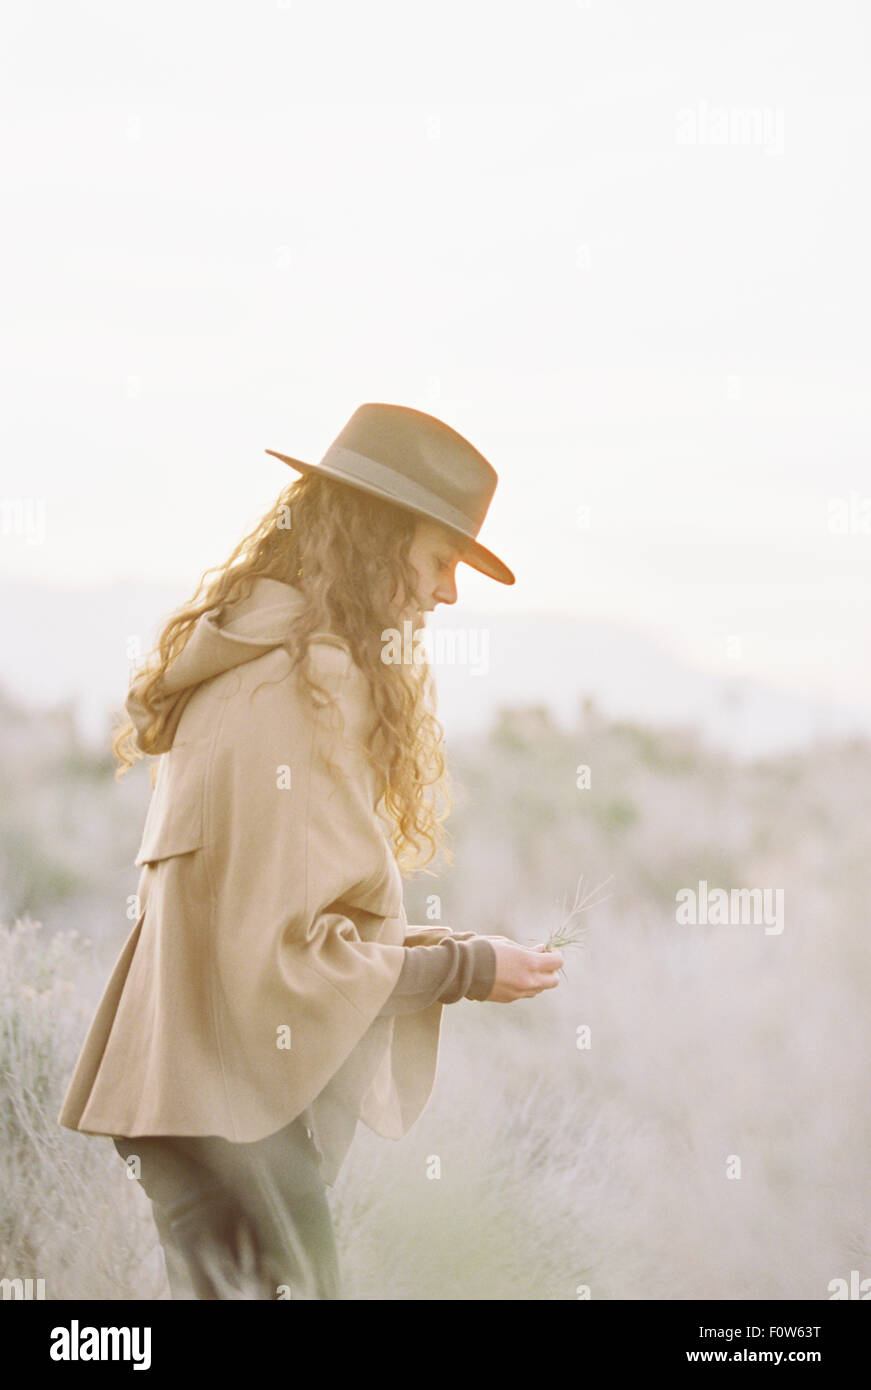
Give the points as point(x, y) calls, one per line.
point(367, 470)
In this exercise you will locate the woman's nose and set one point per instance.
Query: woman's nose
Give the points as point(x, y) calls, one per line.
point(446, 592)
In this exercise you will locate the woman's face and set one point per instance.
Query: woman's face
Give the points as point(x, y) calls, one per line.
point(434, 556)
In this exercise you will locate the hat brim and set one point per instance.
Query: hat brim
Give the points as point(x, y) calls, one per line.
point(474, 553)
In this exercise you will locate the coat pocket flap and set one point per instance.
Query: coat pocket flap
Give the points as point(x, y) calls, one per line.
point(382, 894)
point(382, 899)
point(174, 823)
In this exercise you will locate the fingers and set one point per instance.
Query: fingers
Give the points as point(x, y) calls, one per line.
point(547, 982)
point(547, 970)
point(532, 993)
point(549, 956)
point(539, 982)
point(552, 961)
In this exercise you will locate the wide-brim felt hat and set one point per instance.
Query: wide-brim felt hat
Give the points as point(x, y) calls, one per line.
point(419, 463)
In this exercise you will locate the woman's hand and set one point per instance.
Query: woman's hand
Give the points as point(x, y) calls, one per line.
point(521, 972)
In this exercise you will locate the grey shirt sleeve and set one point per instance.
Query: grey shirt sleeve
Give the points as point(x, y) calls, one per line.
point(463, 966)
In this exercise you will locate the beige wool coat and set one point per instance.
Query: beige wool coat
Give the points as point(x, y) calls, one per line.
point(270, 916)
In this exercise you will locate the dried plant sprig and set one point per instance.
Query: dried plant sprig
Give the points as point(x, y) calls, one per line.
point(571, 931)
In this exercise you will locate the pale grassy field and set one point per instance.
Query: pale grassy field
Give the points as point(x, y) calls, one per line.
point(607, 1167)
point(562, 1169)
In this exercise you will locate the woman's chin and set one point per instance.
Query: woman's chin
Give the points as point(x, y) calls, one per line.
point(413, 614)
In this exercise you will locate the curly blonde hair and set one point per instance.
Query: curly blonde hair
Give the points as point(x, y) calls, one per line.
point(347, 553)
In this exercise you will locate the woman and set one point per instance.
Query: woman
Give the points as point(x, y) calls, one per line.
point(271, 993)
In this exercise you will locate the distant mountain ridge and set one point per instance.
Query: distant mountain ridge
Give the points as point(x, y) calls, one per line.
point(78, 647)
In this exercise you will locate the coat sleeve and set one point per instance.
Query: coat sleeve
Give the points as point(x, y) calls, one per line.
point(307, 896)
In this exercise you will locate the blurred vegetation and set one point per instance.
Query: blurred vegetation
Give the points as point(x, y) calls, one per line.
point(65, 824)
point(560, 1167)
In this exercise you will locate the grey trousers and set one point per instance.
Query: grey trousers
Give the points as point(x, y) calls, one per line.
point(239, 1220)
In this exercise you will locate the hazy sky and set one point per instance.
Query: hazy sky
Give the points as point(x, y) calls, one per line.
point(622, 247)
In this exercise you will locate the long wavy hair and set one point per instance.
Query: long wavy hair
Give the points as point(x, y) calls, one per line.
point(347, 553)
